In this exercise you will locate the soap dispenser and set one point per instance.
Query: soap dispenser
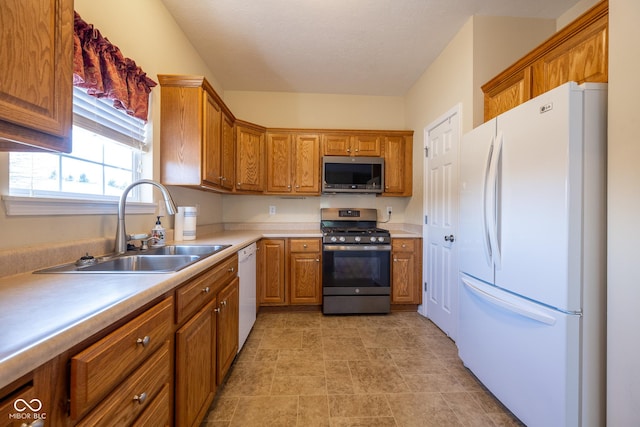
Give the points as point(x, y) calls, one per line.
point(158, 233)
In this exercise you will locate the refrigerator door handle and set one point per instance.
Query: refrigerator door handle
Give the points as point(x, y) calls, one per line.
point(492, 200)
point(486, 213)
point(521, 309)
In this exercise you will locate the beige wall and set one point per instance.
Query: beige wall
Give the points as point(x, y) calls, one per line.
point(309, 110)
point(623, 318)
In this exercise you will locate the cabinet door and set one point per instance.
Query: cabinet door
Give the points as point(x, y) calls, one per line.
point(279, 163)
point(305, 278)
point(307, 164)
point(507, 93)
point(394, 164)
point(406, 271)
point(336, 145)
point(228, 314)
point(582, 58)
point(195, 381)
point(36, 52)
point(228, 153)
point(365, 145)
point(249, 157)
point(271, 282)
point(212, 143)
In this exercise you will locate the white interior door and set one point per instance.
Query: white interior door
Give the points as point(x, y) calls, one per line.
point(442, 140)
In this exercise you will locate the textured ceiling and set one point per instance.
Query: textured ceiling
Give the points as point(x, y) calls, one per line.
point(361, 47)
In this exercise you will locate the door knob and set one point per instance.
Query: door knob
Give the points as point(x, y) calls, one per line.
point(449, 238)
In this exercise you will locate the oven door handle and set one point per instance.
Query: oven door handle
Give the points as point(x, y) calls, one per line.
point(361, 248)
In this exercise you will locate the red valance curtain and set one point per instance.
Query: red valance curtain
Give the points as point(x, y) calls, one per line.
point(101, 69)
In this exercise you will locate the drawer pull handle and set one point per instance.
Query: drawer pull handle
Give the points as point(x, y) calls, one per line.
point(206, 290)
point(140, 398)
point(143, 341)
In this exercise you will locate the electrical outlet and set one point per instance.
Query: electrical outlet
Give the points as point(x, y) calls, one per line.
point(272, 210)
point(389, 209)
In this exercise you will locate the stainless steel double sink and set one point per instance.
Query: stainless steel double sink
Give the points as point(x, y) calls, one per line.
point(165, 259)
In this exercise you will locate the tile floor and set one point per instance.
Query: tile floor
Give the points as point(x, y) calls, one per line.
point(306, 369)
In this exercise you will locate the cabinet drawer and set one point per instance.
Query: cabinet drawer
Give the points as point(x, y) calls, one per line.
point(137, 393)
point(158, 413)
point(403, 245)
point(7, 409)
point(199, 291)
point(98, 369)
point(305, 245)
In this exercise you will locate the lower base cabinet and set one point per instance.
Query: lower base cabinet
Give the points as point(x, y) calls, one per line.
point(406, 271)
point(290, 272)
point(227, 324)
point(195, 366)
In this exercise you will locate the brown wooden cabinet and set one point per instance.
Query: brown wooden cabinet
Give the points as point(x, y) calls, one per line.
point(272, 269)
point(36, 53)
point(406, 271)
point(249, 157)
point(228, 318)
point(207, 316)
point(349, 144)
point(197, 138)
point(305, 272)
point(398, 170)
point(579, 52)
point(196, 366)
point(293, 163)
point(128, 357)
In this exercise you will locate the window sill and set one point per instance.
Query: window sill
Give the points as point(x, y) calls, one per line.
point(28, 206)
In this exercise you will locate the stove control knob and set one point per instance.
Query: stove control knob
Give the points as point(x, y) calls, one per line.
point(333, 238)
point(357, 238)
point(380, 239)
point(342, 239)
point(373, 239)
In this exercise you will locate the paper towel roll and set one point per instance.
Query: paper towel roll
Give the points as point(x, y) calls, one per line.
point(178, 224)
point(189, 227)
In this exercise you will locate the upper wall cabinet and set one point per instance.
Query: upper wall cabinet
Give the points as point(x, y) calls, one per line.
point(293, 163)
point(249, 157)
point(579, 52)
point(351, 145)
point(36, 53)
point(197, 138)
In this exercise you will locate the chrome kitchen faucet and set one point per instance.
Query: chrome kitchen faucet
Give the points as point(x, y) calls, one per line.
point(121, 235)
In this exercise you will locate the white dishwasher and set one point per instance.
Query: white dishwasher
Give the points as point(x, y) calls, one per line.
point(247, 275)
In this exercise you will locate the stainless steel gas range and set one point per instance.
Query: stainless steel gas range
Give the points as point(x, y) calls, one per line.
point(356, 262)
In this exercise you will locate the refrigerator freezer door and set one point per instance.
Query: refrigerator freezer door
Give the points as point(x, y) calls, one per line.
point(525, 353)
point(539, 199)
point(476, 154)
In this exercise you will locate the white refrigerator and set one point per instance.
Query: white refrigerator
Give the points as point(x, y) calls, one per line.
point(533, 256)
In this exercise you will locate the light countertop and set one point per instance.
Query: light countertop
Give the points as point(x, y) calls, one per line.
point(43, 315)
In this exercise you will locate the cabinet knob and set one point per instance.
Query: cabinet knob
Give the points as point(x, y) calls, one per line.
point(223, 303)
point(317, 259)
point(357, 149)
point(395, 260)
point(304, 246)
point(231, 269)
point(140, 398)
point(206, 290)
point(404, 245)
point(144, 341)
point(216, 310)
point(348, 150)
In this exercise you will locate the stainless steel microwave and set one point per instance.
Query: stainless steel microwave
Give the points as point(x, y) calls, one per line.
point(342, 174)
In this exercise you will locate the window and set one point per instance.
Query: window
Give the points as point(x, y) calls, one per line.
point(107, 153)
